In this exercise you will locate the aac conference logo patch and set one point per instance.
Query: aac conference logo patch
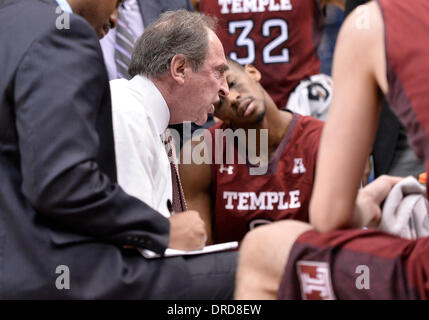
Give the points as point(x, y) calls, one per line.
point(315, 280)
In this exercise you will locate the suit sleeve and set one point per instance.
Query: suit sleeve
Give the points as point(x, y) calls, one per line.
point(59, 88)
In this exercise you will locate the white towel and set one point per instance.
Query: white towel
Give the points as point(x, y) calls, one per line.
point(312, 97)
point(405, 210)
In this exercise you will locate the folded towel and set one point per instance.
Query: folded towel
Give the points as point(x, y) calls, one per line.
point(405, 210)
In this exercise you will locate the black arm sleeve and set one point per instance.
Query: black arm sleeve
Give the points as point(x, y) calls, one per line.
point(351, 4)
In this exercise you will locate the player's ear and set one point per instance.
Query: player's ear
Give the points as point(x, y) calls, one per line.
point(178, 68)
point(252, 72)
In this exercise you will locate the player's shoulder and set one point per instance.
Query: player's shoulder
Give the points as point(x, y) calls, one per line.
point(362, 25)
point(309, 124)
point(308, 131)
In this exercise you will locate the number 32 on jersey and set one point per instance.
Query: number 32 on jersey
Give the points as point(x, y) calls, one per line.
point(244, 27)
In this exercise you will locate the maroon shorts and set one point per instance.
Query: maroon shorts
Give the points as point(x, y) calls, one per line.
point(356, 264)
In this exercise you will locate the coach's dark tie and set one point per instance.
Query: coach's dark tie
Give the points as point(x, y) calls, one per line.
point(124, 44)
point(179, 203)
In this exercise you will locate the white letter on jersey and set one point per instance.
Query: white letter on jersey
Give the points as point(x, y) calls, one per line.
point(294, 199)
point(237, 6)
point(274, 6)
point(262, 5)
point(243, 198)
point(224, 4)
point(257, 202)
point(283, 205)
point(298, 166)
point(249, 6)
point(285, 5)
point(272, 197)
point(229, 196)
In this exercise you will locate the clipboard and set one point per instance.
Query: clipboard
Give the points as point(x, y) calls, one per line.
point(148, 254)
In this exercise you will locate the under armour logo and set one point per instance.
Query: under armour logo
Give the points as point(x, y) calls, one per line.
point(298, 166)
point(229, 169)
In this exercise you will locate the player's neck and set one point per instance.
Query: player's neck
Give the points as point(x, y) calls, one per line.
point(277, 124)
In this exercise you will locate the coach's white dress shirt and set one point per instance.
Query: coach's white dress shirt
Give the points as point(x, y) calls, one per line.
point(140, 116)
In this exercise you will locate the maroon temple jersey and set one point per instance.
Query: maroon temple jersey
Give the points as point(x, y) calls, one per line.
point(407, 62)
point(407, 66)
point(279, 37)
point(322, 264)
point(242, 201)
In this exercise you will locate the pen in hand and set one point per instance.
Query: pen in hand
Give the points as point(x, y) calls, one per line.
point(170, 207)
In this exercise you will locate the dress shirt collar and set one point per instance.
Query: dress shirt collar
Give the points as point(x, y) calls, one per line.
point(64, 5)
point(146, 91)
point(131, 5)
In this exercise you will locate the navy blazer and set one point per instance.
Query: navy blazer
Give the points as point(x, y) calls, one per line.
point(59, 200)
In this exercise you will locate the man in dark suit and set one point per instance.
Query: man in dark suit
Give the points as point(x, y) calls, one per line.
point(64, 221)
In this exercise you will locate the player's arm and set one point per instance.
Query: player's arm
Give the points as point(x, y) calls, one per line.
point(339, 3)
point(353, 118)
point(196, 183)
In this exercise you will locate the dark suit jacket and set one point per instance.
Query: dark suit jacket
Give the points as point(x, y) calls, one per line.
point(151, 9)
point(59, 200)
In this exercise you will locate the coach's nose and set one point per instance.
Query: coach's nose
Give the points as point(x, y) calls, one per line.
point(224, 89)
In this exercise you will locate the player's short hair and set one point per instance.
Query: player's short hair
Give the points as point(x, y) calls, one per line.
point(175, 32)
point(234, 63)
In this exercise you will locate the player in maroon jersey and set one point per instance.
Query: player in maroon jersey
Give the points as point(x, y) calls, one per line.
point(375, 55)
point(279, 37)
point(230, 198)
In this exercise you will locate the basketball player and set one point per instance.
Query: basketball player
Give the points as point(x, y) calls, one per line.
point(375, 55)
point(230, 199)
point(280, 38)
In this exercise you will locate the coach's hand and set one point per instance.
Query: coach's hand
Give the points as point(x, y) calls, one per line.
point(187, 231)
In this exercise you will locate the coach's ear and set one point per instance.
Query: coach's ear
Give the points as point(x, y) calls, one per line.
point(178, 66)
point(252, 72)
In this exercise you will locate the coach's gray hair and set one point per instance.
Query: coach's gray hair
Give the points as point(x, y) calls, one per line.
point(175, 32)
